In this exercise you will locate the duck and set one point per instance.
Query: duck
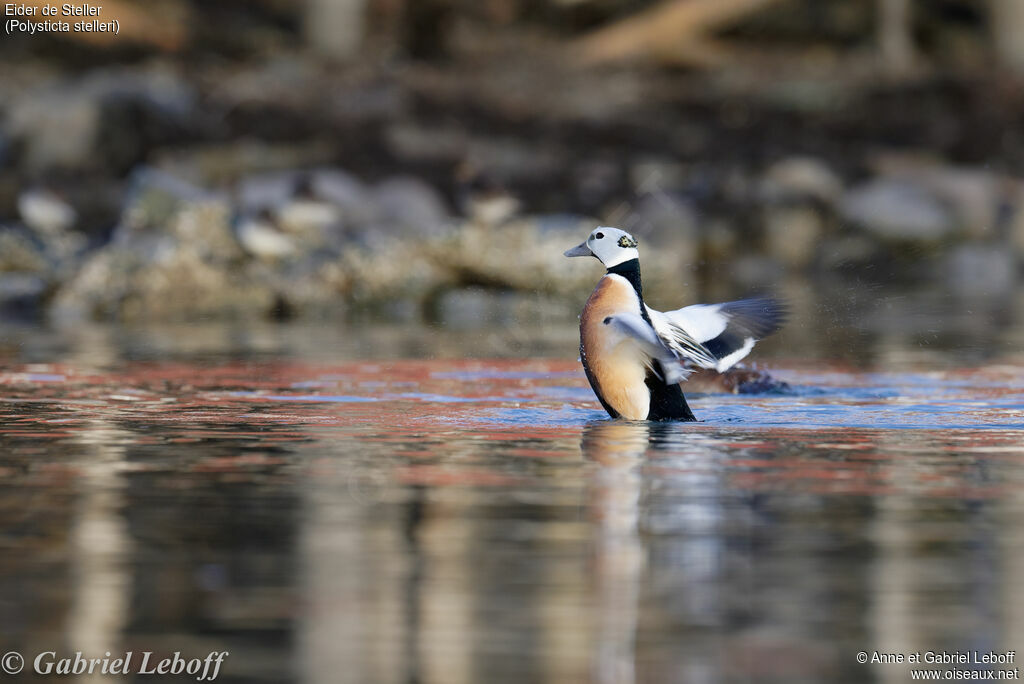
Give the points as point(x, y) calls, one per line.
point(635, 357)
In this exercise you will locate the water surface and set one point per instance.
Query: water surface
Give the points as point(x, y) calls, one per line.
point(445, 520)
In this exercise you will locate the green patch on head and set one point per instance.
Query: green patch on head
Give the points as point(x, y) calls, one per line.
point(626, 241)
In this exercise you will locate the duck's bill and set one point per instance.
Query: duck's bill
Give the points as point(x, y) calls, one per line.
point(579, 250)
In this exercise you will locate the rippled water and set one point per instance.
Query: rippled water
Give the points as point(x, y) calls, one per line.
point(482, 521)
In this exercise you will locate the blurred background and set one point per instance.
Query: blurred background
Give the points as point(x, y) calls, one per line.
point(429, 160)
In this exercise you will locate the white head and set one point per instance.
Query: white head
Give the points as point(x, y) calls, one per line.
point(611, 245)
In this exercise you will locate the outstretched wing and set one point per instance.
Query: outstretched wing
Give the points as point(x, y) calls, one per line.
point(727, 331)
point(650, 344)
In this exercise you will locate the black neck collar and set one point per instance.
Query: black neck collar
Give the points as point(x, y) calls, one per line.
point(630, 270)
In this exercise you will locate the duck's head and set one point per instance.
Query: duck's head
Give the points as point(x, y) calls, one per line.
point(611, 245)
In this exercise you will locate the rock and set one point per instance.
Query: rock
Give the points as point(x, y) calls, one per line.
point(265, 192)
point(479, 256)
point(262, 238)
point(973, 194)
point(307, 285)
point(271, 190)
point(490, 209)
point(317, 209)
point(312, 222)
point(95, 291)
point(20, 293)
point(152, 201)
point(348, 193)
point(898, 211)
point(801, 178)
point(122, 285)
point(174, 256)
point(408, 207)
point(22, 252)
point(44, 212)
point(792, 233)
point(39, 261)
point(980, 270)
point(391, 269)
point(476, 255)
point(204, 228)
point(186, 287)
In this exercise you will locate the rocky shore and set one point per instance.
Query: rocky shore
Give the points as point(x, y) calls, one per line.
point(321, 242)
point(282, 188)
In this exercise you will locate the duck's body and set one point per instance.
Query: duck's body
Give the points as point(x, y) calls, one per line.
point(635, 356)
point(627, 382)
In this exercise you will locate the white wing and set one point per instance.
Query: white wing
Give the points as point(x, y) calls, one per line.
point(650, 344)
point(726, 331)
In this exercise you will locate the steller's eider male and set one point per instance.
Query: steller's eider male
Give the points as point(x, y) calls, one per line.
point(634, 356)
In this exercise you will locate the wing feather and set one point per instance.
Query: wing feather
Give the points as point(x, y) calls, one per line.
point(651, 345)
point(727, 331)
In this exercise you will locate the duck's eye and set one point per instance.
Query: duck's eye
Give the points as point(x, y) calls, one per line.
point(599, 236)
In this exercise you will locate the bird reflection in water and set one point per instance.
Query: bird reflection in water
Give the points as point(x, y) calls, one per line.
point(630, 566)
point(618, 448)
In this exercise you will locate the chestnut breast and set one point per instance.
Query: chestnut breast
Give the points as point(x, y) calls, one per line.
point(614, 365)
